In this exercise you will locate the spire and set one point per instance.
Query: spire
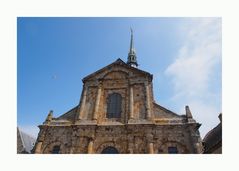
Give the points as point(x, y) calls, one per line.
point(132, 60)
point(131, 41)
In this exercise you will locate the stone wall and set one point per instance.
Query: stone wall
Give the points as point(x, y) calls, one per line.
point(90, 103)
point(139, 101)
point(126, 139)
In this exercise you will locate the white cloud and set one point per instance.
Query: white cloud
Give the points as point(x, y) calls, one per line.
point(194, 72)
point(205, 114)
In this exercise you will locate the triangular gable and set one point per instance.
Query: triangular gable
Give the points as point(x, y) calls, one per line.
point(117, 62)
point(162, 112)
point(70, 115)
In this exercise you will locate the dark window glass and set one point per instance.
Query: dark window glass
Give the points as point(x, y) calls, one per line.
point(110, 150)
point(172, 150)
point(114, 106)
point(160, 151)
point(56, 149)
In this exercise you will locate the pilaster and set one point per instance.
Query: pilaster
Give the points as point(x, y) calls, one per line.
point(131, 103)
point(148, 109)
point(90, 147)
point(82, 105)
point(97, 102)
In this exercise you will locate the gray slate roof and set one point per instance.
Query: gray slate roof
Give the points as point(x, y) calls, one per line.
point(213, 138)
point(26, 141)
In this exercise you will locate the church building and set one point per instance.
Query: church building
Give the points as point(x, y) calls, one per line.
point(117, 114)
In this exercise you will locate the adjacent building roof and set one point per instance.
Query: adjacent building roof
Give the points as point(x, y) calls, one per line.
point(25, 142)
point(213, 138)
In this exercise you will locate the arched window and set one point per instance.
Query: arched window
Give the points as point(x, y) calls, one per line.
point(110, 150)
point(56, 149)
point(114, 106)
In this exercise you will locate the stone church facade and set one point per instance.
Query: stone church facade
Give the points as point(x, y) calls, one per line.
point(117, 114)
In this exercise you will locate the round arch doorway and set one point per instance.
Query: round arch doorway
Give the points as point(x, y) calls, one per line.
point(110, 150)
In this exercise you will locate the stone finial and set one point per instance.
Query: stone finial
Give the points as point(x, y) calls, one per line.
point(188, 112)
point(49, 116)
point(220, 117)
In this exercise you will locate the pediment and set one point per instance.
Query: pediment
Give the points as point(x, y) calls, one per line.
point(117, 70)
point(116, 75)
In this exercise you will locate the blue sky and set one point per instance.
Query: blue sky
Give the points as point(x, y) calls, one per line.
point(55, 54)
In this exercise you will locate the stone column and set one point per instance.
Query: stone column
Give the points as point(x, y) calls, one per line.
point(131, 102)
point(151, 148)
point(97, 102)
point(148, 114)
point(83, 102)
point(90, 147)
point(38, 147)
